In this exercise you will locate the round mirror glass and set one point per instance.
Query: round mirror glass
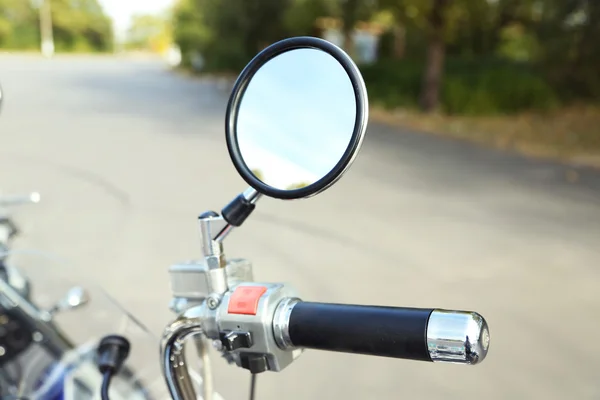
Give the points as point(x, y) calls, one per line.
point(299, 123)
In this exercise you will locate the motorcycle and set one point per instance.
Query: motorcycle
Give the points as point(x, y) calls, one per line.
point(294, 124)
point(295, 121)
point(39, 360)
point(8, 231)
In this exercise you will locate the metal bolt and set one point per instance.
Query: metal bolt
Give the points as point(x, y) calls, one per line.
point(37, 337)
point(212, 302)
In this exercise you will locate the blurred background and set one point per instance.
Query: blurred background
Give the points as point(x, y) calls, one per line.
point(477, 187)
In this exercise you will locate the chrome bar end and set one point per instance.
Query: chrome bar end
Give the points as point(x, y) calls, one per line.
point(459, 337)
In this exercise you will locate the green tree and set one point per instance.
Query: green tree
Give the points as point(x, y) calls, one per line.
point(450, 53)
point(149, 32)
point(228, 33)
point(301, 15)
point(190, 30)
point(436, 53)
point(351, 12)
point(18, 25)
point(81, 25)
point(569, 31)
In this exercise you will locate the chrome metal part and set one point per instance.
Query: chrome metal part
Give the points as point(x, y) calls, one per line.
point(208, 319)
point(217, 280)
point(31, 198)
point(76, 297)
point(189, 281)
point(174, 366)
point(459, 337)
point(192, 282)
point(180, 304)
point(16, 279)
point(238, 270)
point(211, 228)
point(281, 322)
point(252, 195)
point(5, 232)
point(207, 380)
point(213, 301)
point(260, 326)
point(40, 320)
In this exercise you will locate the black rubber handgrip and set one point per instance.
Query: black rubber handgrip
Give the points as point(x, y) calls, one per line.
point(371, 330)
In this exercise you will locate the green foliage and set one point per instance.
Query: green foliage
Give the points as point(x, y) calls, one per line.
point(149, 32)
point(497, 88)
point(81, 25)
point(228, 33)
point(472, 88)
point(300, 17)
point(190, 30)
point(394, 84)
point(18, 25)
point(517, 44)
point(78, 25)
point(143, 27)
point(502, 56)
point(569, 31)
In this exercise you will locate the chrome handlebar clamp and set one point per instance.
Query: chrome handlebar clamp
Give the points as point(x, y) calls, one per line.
point(191, 281)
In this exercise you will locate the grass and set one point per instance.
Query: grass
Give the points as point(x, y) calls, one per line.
point(570, 134)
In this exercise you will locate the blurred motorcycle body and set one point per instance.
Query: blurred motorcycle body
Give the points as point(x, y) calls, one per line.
point(37, 359)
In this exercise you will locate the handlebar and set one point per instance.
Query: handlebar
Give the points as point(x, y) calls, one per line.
point(408, 333)
point(265, 326)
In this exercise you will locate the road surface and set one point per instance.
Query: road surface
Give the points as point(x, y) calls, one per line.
point(126, 155)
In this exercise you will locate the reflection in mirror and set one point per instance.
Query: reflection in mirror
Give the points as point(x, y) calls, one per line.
point(296, 118)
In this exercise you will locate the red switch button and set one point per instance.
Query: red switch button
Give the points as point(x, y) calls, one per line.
point(244, 300)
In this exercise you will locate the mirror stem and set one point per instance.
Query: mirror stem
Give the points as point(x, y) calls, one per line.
point(214, 227)
point(236, 212)
point(252, 195)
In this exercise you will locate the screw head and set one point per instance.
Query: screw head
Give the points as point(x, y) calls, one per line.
point(37, 337)
point(212, 302)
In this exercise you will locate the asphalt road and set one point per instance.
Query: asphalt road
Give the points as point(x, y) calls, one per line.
point(126, 155)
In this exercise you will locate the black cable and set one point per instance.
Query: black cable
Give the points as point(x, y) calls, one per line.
point(112, 352)
point(252, 386)
point(106, 378)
